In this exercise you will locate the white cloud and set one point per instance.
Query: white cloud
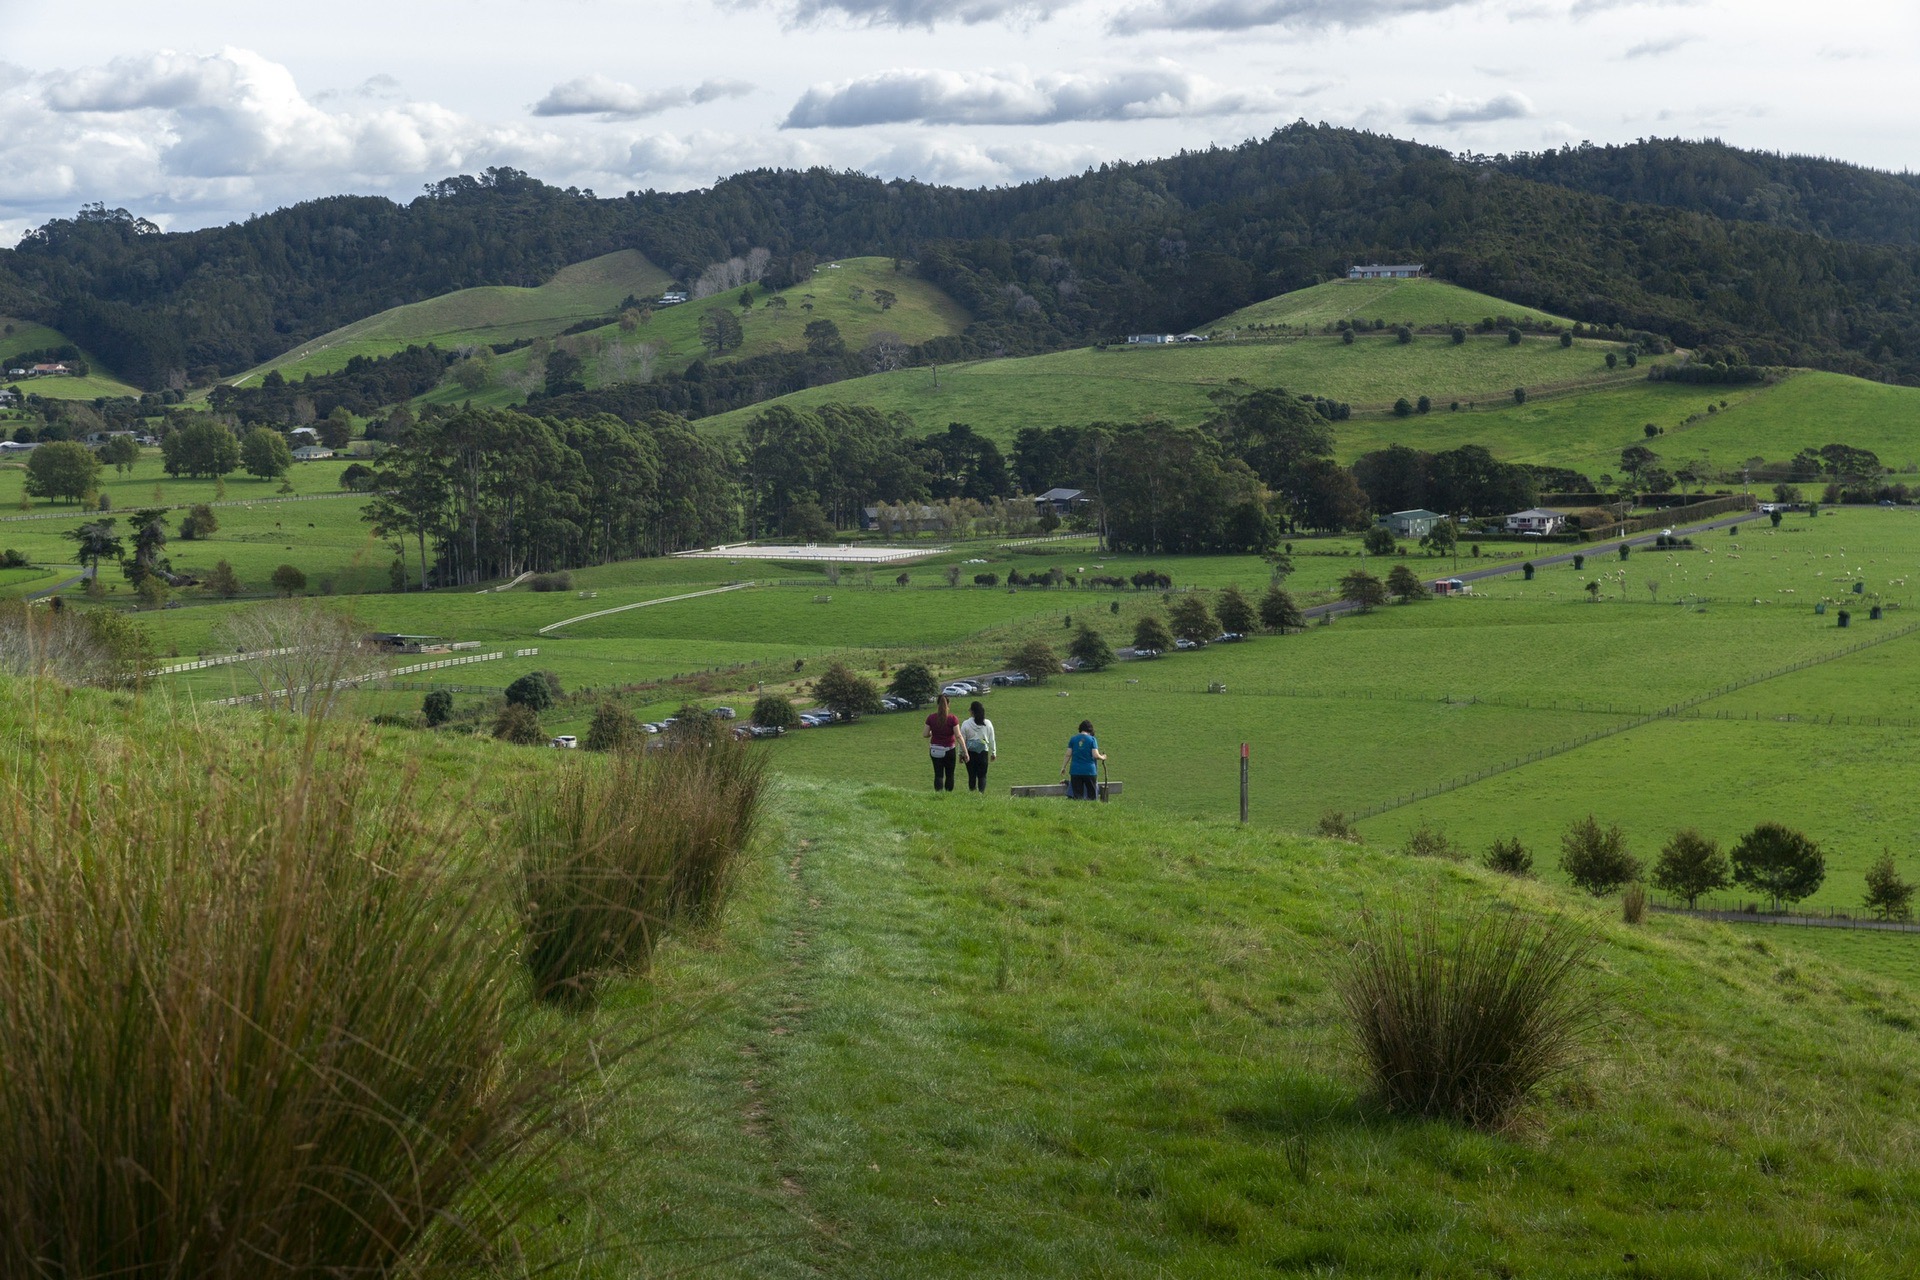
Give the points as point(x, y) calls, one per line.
point(1450, 109)
point(920, 13)
point(1243, 15)
point(616, 100)
point(955, 160)
point(1019, 97)
point(1661, 45)
point(1587, 8)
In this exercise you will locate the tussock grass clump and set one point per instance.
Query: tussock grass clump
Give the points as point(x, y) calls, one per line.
point(1335, 826)
point(1633, 904)
point(1428, 841)
point(610, 854)
point(1468, 1028)
point(249, 1022)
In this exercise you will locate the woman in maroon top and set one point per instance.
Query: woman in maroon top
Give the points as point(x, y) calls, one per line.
point(944, 744)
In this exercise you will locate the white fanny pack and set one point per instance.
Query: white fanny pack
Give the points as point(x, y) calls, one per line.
point(939, 753)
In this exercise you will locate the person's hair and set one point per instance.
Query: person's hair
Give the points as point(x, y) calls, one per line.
point(979, 713)
point(1086, 726)
point(941, 707)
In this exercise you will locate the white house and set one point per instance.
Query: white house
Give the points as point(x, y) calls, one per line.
point(1150, 339)
point(1412, 524)
point(303, 435)
point(311, 453)
point(672, 298)
point(1387, 271)
point(15, 446)
point(1536, 520)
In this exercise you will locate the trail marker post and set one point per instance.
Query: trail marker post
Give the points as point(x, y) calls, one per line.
point(1243, 782)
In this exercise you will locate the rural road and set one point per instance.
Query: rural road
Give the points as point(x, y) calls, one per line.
point(1541, 562)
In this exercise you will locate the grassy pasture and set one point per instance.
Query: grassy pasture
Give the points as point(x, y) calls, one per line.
point(991, 1037)
point(923, 311)
point(999, 396)
point(30, 336)
point(1410, 302)
point(494, 313)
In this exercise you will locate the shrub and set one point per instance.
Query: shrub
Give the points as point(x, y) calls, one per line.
point(1379, 541)
point(1035, 660)
point(1406, 584)
point(199, 522)
point(1334, 826)
point(1192, 619)
point(222, 581)
point(1426, 841)
point(1469, 1030)
point(1509, 857)
point(207, 1065)
point(914, 682)
point(609, 856)
point(562, 581)
point(986, 579)
point(532, 690)
point(1278, 612)
point(613, 728)
point(519, 724)
point(694, 724)
point(1513, 337)
point(845, 694)
point(1403, 408)
point(1597, 860)
point(774, 711)
point(1362, 590)
point(436, 708)
point(1459, 336)
point(1633, 904)
point(1690, 865)
point(1090, 649)
point(1779, 862)
point(1151, 633)
point(1888, 896)
point(288, 580)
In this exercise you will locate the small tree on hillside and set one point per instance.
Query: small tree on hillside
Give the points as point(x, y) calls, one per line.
point(774, 711)
point(1278, 612)
point(1597, 859)
point(1379, 541)
point(531, 690)
point(264, 453)
point(914, 682)
point(1406, 584)
point(1090, 649)
point(1690, 865)
point(1441, 538)
point(845, 694)
point(1780, 862)
point(199, 522)
point(613, 728)
point(288, 580)
point(1363, 591)
point(436, 708)
point(520, 724)
point(222, 581)
point(1509, 857)
point(1151, 633)
point(1035, 660)
point(1192, 620)
point(1888, 896)
point(1235, 611)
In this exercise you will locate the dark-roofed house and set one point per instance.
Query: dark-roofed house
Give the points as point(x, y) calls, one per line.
point(1062, 501)
point(1387, 271)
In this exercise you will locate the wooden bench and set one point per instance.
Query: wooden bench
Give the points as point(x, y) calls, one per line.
point(1108, 789)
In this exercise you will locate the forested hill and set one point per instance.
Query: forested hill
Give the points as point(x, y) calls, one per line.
point(1803, 193)
point(1166, 244)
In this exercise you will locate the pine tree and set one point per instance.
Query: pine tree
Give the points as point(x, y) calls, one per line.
point(1278, 612)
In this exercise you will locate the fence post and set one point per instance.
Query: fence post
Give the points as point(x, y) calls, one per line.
point(1243, 783)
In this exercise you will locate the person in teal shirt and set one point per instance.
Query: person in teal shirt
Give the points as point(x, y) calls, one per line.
point(1081, 767)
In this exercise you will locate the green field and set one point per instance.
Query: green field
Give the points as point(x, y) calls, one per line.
point(474, 317)
point(1419, 303)
point(671, 337)
point(997, 397)
point(26, 335)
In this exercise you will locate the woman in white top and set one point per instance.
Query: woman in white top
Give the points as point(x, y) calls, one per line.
point(977, 732)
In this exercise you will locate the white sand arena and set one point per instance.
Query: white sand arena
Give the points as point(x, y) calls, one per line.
point(857, 554)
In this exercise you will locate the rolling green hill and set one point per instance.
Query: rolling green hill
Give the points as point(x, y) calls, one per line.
point(499, 313)
point(29, 336)
point(1419, 303)
point(1125, 384)
point(842, 292)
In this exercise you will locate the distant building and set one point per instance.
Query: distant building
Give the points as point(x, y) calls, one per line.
point(1150, 339)
point(1190, 337)
point(1062, 501)
point(1387, 271)
point(311, 453)
point(15, 446)
point(672, 298)
point(1412, 524)
point(1536, 520)
point(48, 370)
point(7, 396)
point(303, 435)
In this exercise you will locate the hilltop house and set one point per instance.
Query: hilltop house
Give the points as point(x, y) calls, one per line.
point(1536, 521)
point(1387, 271)
point(1417, 523)
point(47, 370)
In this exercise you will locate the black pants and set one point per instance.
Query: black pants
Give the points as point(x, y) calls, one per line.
point(976, 771)
point(1083, 786)
point(943, 771)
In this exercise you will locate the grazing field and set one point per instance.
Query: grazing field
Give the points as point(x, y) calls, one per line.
point(842, 293)
point(473, 317)
point(994, 1037)
point(1409, 302)
point(997, 397)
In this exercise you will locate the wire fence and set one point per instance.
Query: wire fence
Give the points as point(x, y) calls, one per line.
point(1805, 917)
point(1671, 711)
point(87, 513)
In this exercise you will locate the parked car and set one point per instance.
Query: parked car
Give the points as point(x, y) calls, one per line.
point(1146, 653)
point(564, 741)
point(1230, 637)
point(724, 713)
point(893, 702)
point(652, 727)
point(1010, 678)
point(764, 730)
point(1183, 644)
point(961, 689)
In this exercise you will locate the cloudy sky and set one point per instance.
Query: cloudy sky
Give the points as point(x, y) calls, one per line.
point(210, 110)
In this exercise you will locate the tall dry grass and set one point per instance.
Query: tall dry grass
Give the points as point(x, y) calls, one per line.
point(1469, 1027)
point(613, 852)
point(250, 1024)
